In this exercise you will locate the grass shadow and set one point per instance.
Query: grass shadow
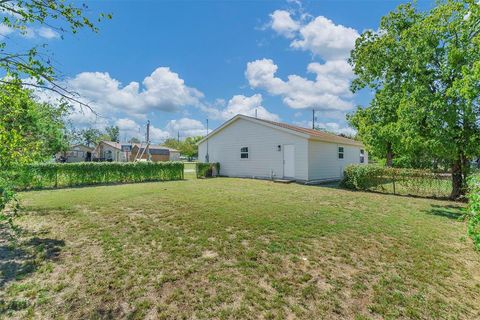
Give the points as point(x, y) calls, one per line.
point(20, 259)
point(447, 211)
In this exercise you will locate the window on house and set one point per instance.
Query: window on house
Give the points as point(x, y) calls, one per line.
point(244, 153)
point(362, 156)
point(340, 152)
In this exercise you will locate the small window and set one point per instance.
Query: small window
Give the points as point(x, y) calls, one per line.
point(362, 156)
point(340, 152)
point(244, 153)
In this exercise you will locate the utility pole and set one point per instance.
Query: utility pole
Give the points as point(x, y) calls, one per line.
point(256, 115)
point(207, 156)
point(178, 136)
point(149, 156)
point(313, 119)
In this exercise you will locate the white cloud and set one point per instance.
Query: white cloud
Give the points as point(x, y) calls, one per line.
point(329, 91)
point(43, 32)
point(5, 30)
point(158, 135)
point(326, 39)
point(283, 24)
point(186, 127)
point(240, 104)
point(163, 90)
point(329, 126)
point(47, 33)
point(321, 36)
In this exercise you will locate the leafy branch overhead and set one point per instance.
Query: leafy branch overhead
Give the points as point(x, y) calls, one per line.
point(33, 67)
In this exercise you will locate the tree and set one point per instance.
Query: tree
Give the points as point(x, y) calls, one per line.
point(62, 17)
point(29, 130)
point(134, 140)
point(90, 136)
point(113, 133)
point(429, 63)
point(32, 131)
point(172, 143)
point(187, 147)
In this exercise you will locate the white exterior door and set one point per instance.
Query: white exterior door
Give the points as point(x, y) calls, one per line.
point(289, 161)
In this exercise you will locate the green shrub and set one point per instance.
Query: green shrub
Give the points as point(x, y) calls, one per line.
point(474, 209)
point(53, 175)
point(205, 170)
point(415, 182)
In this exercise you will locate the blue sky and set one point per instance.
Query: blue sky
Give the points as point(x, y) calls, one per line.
point(178, 63)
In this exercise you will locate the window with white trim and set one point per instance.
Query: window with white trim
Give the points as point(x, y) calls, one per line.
point(244, 153)
point(362, 156)
point(341, 152)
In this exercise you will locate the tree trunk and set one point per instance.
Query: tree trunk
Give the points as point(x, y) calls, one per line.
point(389, 155)
point(457, 180)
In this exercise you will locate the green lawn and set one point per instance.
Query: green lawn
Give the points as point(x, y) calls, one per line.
point(234, 249)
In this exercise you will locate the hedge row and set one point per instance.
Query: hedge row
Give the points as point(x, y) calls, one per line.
point(474, 209)
point(205, 170)
point(424, 183)
point(54, 175)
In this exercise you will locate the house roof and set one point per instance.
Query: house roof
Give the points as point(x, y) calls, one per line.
point(304, 132)
point(81, 145)
point(152, 147)
point(112, 144)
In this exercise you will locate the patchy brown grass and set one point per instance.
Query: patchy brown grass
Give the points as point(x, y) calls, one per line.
point(237, 249)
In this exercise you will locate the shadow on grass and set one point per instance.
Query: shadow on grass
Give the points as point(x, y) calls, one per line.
point(447, 211)
point(18, 260)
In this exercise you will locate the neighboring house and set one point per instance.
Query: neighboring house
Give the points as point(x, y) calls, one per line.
point(157, 153)
point(251, 147)
point(76, 153)
point(110, 151)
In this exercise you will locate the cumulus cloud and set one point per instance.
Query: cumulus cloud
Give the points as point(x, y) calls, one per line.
point(329, 91)
point(163, 90)
point(47, 33)
point(320, 35)
point(186, 127)
point(283, 24)
point(5, 30)
point(328, 126)
point(240, 104)
point(326, 39)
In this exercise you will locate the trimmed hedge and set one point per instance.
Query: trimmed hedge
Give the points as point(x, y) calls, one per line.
point(474, 209)
point(424, 183)
point(54, 175)
point(205, 170)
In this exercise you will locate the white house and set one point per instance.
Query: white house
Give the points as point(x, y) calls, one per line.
point(257, 148)
point(110, 151)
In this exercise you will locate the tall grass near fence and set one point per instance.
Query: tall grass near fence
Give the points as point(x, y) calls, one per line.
point(423, 183)
point(56, 175)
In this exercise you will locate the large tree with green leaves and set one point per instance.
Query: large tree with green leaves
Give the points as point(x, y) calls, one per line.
point(113, 133)
point(429, 63)
point(29, 130)
point(187, 147)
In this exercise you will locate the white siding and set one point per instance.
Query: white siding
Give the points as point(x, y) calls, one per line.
point(116, 154)
point(324, 163)
point(264, 157)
